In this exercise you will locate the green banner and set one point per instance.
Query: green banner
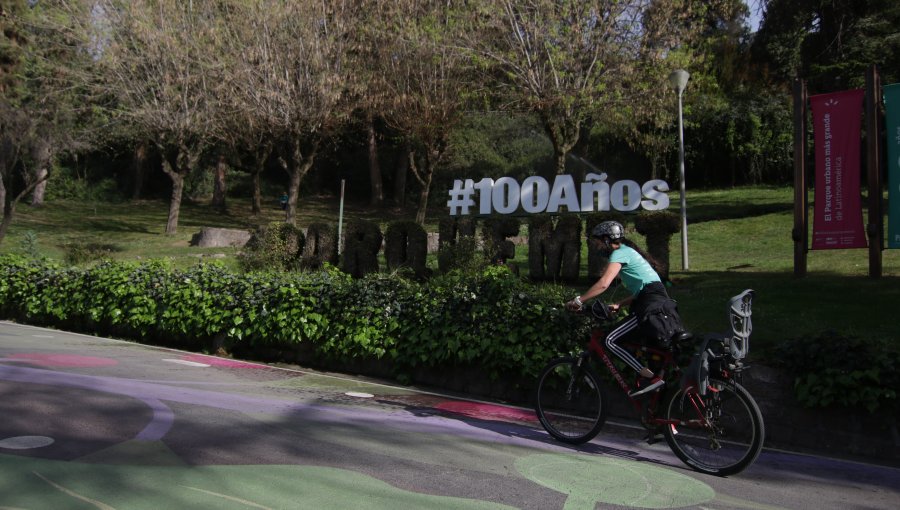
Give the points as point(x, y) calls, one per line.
point(892, 130)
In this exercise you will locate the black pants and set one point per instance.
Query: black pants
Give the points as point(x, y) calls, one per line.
point(650, 294)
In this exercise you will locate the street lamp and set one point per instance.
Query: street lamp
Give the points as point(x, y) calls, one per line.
point(679, 80)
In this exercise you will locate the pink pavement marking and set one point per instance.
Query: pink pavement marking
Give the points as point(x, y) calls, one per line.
point(486, 411)
point(219, 362)
point(61, 360)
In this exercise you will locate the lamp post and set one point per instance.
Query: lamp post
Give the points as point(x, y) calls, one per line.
point(679, 80)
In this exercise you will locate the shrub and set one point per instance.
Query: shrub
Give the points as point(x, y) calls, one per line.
point(658, 227)
point(832, 369)
point(81, 253)
point(277, 245)
point(406, 246)
point(362, 242)
point(488, 319)
point(494, 232)
point(453, 231)
point(554, 253)
point(321, 246)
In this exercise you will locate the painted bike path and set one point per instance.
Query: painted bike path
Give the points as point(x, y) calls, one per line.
point(95, 423)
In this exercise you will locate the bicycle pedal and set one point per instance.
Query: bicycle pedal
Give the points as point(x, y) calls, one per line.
point(653, 437)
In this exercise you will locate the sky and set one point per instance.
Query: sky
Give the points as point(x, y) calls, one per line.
point(755, 13)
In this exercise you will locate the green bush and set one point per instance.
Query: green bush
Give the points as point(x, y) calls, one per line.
point(81, 253)
point(276, 246)
point(832, 369)
point(487, 318)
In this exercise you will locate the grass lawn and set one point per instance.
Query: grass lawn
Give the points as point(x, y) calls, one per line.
point(738, 239)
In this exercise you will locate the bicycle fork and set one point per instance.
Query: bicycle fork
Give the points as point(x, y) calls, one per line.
point(572, 388)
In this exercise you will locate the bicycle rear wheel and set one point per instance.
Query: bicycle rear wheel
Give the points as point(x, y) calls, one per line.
point(569, 401)
point(720, 433)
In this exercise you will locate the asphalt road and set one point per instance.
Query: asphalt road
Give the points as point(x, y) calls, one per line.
point(91, 423)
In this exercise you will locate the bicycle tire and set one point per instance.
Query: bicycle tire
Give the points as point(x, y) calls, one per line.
point(732, 443)
point(574, 416)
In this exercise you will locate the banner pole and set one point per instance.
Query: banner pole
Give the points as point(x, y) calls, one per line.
point(800, 233)
point(875, 226)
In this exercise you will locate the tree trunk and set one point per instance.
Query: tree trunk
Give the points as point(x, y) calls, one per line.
point(374, 167)
point(297, 167)
point(8, 210)
point(400, 172)
point(138, 170)
point(41, 159)
point(423, 201)
point(257, 192)
point(563, 137)
point(431, 161)
point(2, 187)
point(176, 164)
point(174, 202)
point(218, 199)
point(9, 205)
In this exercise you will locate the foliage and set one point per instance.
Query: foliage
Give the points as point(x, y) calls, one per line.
point(276, 246)
point(405, 246)
point(831, 44)
point(489, 318)
point(833, 369)
point(658, 227)
point(462, 255)
point(362, 242)
point(81, 252)
point(321, 245)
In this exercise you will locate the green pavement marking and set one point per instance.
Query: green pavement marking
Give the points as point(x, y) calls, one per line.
point(440, 449)
point(27, 482)
point(592, 479)
point(150, 453)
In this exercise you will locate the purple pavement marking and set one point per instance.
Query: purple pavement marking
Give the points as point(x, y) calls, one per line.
point(155, 393)
point(60, 360)
point(159, 426)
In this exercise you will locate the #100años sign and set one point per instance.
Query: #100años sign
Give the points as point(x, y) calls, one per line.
point(535, 195)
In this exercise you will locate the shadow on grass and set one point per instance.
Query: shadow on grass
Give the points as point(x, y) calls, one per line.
point(788, 307)
point(703, 213)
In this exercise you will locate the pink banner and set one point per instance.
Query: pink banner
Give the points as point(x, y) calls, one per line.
point(837, 220)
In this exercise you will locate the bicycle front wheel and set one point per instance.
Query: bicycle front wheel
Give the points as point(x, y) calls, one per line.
point(720, 433)
point(569, 401)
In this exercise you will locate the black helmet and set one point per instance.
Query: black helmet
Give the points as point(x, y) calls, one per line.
point(611, 229)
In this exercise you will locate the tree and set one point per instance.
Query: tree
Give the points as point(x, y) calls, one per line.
point(428, 81)
point(286, 68)
point(574, 60)
point(830, 43)
point(41, 111)
point(159, 61)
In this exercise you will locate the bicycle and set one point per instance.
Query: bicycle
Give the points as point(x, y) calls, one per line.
point(709, 420)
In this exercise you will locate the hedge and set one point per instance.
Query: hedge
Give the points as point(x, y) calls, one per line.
point(489, 319)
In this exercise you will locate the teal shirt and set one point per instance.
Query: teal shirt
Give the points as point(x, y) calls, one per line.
point(636, 272)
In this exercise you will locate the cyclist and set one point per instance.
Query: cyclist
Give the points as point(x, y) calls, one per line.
point(640, 278)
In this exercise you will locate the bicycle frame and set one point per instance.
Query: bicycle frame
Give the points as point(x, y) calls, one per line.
point(650, 404)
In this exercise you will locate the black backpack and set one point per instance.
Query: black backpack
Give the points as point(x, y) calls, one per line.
point(660, 322)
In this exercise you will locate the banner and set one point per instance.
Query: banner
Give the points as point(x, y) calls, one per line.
point(892, 129)
point(837, 219)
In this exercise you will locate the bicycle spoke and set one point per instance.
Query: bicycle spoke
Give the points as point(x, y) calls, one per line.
point(569, 402)
point(720, 433)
